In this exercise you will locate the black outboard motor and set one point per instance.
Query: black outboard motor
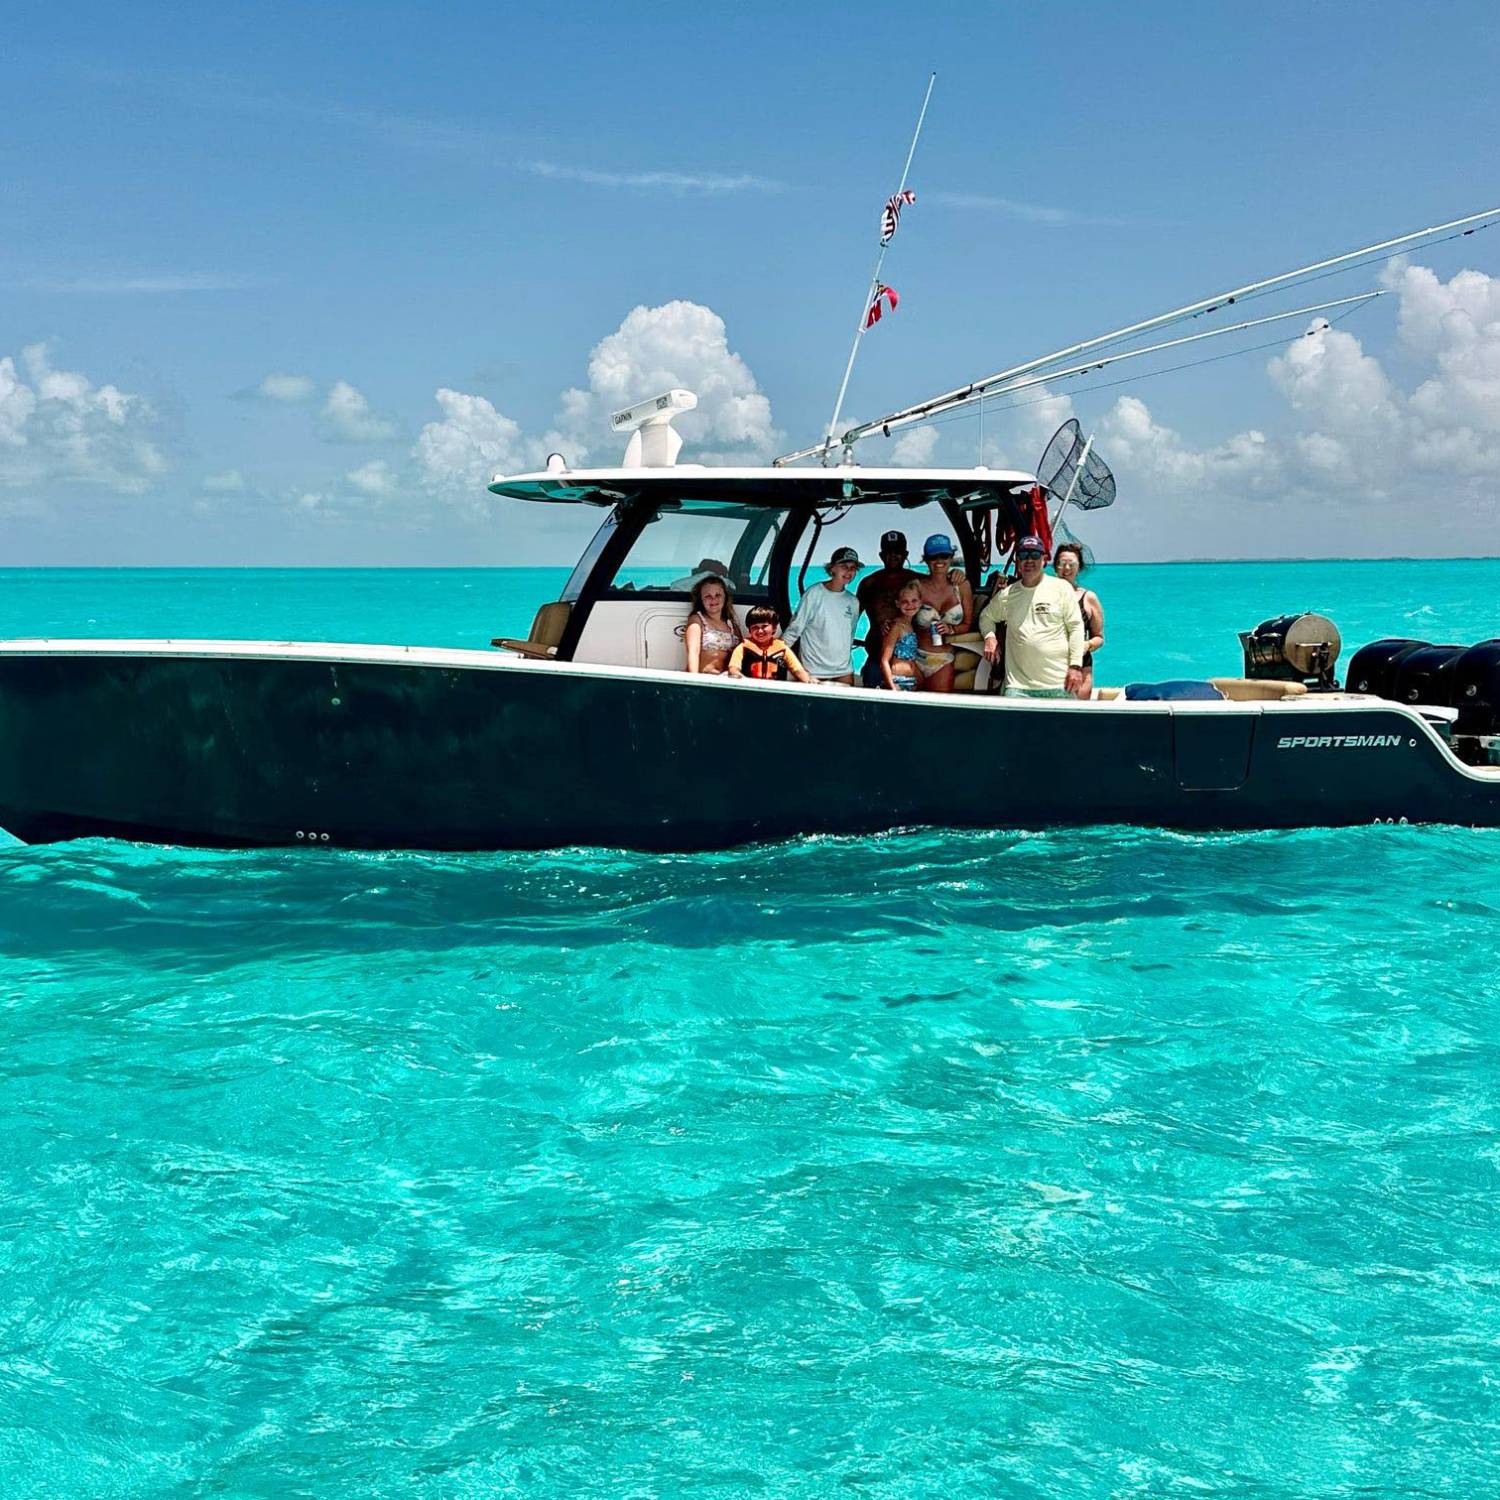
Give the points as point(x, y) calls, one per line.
point(1293, 648)
point(1373, 668)
point(1476, 696)
point(1426, 675)
point(1461, 679)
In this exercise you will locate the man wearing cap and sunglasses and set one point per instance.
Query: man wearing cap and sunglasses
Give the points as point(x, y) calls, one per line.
point(825, 619)
point(1044, 634)
point(877, 598)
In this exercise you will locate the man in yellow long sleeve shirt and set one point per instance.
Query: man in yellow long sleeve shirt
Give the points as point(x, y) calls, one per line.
point(1044, 635)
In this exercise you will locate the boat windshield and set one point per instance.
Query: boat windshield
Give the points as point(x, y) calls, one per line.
point(585, 566)
point(686, 539)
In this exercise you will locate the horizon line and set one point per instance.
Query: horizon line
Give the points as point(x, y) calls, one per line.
point(272, 567)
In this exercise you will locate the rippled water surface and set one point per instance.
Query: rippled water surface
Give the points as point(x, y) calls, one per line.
point(1117, 1163)
point(1102, 1164)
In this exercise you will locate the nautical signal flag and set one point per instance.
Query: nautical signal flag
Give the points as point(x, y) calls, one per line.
point(883, 294)
point(890, 215)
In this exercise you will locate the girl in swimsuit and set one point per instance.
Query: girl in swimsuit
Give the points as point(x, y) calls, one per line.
point(712, 631)
point(1067, 563)
point(898, 649)
point(947, 608)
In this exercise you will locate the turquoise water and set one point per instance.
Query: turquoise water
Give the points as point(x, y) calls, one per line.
point(1166, 619)
point(1106, 1164)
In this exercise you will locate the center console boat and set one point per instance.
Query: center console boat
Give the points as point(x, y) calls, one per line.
point(589, 731)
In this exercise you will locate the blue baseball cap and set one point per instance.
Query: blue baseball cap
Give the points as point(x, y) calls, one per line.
point(938, 545)
point(1031, 546)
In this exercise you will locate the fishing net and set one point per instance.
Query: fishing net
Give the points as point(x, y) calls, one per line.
point(1064, 533)
point(1089, 484)
point(1060, 456)
point(1074, 473)
point(1094, 488)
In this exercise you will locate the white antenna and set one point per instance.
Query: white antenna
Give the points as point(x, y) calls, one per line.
point(991, 384)
point(864, 307)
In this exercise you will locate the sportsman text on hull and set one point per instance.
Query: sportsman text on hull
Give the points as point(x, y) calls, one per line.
point(1339, 742)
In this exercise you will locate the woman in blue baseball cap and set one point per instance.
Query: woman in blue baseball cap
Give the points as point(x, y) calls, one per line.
point(947, 609)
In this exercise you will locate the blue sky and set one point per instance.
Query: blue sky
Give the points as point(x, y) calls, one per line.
point(378, 203)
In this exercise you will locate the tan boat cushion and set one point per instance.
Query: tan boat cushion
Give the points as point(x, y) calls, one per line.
point(1257, 690)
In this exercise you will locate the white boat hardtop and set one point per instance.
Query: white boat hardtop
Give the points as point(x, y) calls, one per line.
point(848, 484)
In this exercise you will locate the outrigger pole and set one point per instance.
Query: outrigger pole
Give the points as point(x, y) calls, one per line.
point(1189, 338)
point(988, 385)
point(864, 307)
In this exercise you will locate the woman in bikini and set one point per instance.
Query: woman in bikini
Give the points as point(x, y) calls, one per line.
point(1067, 563)
point(947, 609)
point(712, 631)
point(898, 647)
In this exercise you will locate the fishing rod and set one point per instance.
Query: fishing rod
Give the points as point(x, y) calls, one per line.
point(875, 282)
point(1469, 224)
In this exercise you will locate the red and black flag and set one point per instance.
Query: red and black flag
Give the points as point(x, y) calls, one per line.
point(883, 294)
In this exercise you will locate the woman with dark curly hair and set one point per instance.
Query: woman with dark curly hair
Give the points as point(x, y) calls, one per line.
point(1067, 563)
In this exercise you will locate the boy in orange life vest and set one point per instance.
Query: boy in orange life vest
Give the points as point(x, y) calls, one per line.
point(765, 656)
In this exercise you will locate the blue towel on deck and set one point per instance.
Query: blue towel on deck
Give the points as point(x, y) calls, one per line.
point(1181, 691)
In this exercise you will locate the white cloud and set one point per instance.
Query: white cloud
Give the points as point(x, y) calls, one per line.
point(1019, 437)
point(1153, 457)
point(124, 285)
point(1359, 444)
point(227, 483)
point(1355, 439)
point(374, 478)
point(915, 447)
point(1030, 213)
point(1331, 382)
point(57, 426)
point(279, 386)
point(457, 456)
point(347, 417)
point(1365, 435)
point(654, 349)
point(1353, 434)
point(1440, 318)
point(17, 402)
point(676, 182)
point(1457, 326)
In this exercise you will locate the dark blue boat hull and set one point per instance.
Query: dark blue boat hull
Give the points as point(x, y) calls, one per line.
point(237, 750)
